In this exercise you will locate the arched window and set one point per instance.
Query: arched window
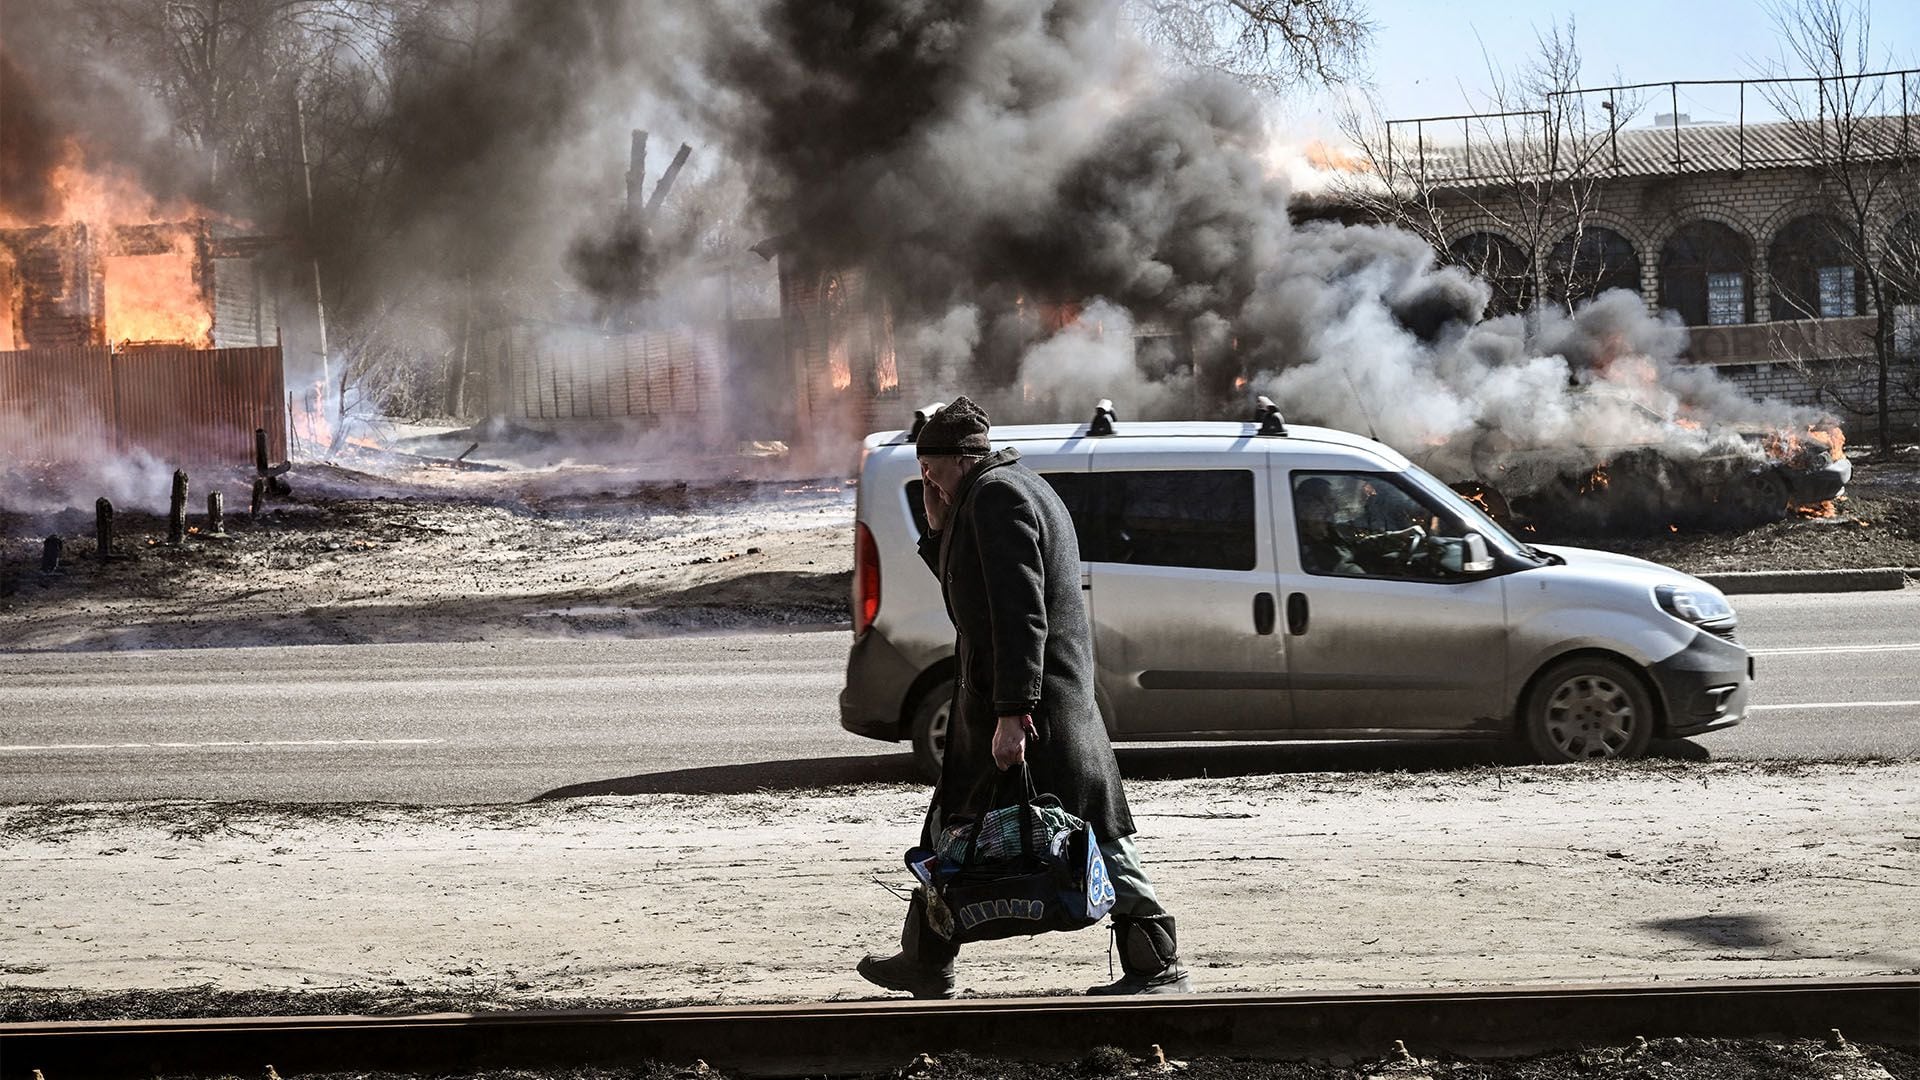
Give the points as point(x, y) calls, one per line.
point(1815, 273)
point(1586, 263)
point(1706, 274)
point(839, 349)
point(1501, 264)
point(1903, 283)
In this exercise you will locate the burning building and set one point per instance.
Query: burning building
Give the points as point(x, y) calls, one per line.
point(127, 325)
point(178, 283)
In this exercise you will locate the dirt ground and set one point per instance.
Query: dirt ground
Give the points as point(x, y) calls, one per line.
point(431, 554)
point(1666, 870)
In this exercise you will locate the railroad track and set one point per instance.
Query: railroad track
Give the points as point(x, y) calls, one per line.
point(851, 1037)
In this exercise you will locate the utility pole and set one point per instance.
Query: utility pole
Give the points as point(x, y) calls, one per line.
point(319, 295)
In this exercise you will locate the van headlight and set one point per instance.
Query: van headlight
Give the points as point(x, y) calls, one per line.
point(1701, 607)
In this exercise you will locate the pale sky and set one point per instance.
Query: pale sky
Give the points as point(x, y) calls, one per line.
point(1430, 57)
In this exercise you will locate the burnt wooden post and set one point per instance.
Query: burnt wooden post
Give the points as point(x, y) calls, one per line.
point(50, 555)
point(103, 529)
point(260, 463)
point(259, 497)
point(216, 514)
point(177, 511)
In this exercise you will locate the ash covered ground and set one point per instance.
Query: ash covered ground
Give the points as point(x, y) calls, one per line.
point(430, 554)
point(1666, 1059)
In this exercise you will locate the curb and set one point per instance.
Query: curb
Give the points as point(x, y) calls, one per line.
point(1808, 581)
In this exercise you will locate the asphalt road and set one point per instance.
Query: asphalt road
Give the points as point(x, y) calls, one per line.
point(472, 723)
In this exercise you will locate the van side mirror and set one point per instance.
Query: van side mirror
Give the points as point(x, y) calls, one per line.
point(1478, 561)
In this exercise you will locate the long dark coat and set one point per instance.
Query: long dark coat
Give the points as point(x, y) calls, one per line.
point(1009, 567)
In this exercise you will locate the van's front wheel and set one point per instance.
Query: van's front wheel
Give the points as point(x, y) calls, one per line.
point(930, 722)
point(1589, 708)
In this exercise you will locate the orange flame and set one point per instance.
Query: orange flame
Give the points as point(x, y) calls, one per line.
point(153, 290)
point(157, 298)
point(1789, 445)
point(886, 364)
point(1832, 438)
point(99, 198)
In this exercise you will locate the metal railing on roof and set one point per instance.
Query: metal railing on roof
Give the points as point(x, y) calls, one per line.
point(1466, 170)
point(1822, 132)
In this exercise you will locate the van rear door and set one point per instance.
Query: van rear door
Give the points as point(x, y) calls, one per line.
point(1182, 584)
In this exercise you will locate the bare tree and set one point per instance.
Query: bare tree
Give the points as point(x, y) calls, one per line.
point(1868, 167)
point(1524, 170)
point(211, 62)
point(1269, 45)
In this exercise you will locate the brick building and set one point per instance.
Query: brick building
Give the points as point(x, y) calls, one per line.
point(1742, 230)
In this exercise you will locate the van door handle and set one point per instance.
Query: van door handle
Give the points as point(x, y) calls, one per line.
point(1263, 613)
point(1296, 613)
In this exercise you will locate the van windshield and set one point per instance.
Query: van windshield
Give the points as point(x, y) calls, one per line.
point(1496, 536)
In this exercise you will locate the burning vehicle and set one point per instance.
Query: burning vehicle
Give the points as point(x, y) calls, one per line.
point(1730, 476)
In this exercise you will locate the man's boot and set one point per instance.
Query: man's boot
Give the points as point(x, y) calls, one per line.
point(924, 965)
point(1149, 957)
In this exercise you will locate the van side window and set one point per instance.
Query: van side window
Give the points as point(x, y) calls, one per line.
point(1201, 518)
point(1368, 525)
point(1074, 489)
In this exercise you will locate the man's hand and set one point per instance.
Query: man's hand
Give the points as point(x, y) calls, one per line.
point(936, 504)
point(1010, 740)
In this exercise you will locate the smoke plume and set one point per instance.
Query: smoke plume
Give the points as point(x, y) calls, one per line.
point(983, 161)
point(981, 156)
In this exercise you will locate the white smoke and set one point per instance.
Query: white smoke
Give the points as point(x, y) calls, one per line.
point(946, 348)
point(1095, 356)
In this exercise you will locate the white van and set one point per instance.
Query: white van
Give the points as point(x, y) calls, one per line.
point(1267, 581)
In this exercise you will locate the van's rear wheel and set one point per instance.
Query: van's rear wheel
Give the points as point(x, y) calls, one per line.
point(1589, 708)
point(930, 730)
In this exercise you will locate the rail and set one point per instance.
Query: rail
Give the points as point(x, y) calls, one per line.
point(1844, 118)
point(850, 1037)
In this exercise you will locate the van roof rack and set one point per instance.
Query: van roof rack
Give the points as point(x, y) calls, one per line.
point(920, 417)
point(1267, 415)
point(1102, 422)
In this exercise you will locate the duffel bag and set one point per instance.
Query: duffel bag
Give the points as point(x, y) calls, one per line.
point(1055, 880)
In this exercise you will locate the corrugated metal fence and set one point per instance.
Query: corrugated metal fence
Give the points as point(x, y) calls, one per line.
point(180, 405)
point(649, 375)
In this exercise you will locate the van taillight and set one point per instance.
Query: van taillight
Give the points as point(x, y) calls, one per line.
point(866, 578)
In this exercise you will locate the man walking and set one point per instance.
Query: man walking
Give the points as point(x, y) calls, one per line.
point(1003, 547)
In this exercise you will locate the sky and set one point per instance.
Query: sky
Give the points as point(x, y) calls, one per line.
point(1430, 57)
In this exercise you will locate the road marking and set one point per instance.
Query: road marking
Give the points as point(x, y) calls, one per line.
point(1836, 705)
point(1821, 650)
point(223, 742)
